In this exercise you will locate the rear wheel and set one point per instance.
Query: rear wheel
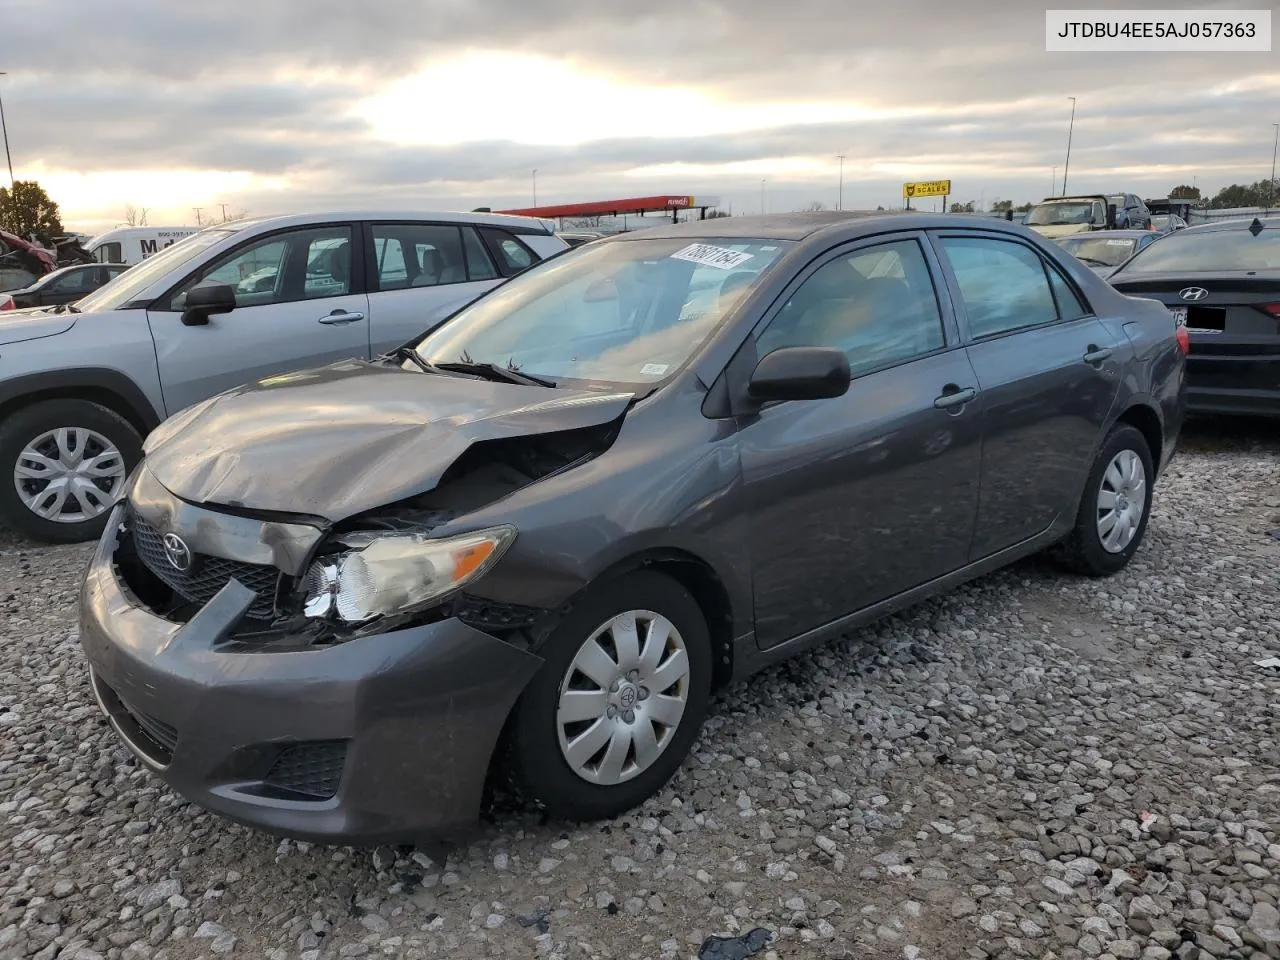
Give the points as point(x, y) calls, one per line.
point(618, 702)
point(63, 463)
point(1114, 510)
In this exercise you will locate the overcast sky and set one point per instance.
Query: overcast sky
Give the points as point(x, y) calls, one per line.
point(284, 105)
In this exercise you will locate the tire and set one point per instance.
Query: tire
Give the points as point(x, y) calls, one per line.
point(537, 762)
point(93, 424)
point(1083, 551)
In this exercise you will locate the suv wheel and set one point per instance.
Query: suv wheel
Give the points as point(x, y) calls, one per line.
point(618, 702)
point(1114, 509)
point(63, 463)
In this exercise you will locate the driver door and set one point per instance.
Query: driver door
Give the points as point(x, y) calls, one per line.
point(300, 303)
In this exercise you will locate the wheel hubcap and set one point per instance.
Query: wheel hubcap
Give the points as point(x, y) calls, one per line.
point(623, 697)
point(1122, 498)
point(69, 475)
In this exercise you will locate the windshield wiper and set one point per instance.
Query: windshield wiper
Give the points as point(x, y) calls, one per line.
point(492, 371)
point(406, 352)
point(1101, 263)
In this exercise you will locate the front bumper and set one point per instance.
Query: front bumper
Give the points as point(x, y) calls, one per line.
point(400, 726)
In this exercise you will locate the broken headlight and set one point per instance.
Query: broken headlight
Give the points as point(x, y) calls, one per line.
point(388, 573)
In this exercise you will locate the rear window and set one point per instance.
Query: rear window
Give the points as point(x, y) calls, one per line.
point(1191, 251)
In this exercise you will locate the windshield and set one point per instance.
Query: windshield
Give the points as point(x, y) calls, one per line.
point(631, 312)
point(1052, 214)
point(116, 293)
point(1195, 252)
point(1109, 250)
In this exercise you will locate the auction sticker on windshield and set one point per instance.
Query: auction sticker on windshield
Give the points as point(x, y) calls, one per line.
point(710, 255)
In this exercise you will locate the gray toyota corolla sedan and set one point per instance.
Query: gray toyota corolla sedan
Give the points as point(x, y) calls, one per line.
point(532, 543)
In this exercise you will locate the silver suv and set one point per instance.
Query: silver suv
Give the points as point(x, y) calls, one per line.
point(81, 385)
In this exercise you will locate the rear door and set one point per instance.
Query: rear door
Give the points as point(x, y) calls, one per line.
point(300, 302)
point(421, 273)
point(1049, 374)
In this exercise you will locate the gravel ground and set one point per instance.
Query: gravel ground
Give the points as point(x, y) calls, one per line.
point(1033, 766)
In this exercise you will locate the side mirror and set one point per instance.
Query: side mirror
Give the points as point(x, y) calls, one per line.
point(203, 302)
point(1111, 216)
point(800, 373)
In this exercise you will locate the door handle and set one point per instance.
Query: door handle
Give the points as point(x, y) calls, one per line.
point(1096, 355)
point(342, 316)
point(955, 398)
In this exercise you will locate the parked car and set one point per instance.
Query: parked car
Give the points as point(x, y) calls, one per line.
point(78, 394)
point(543, 535)
point(1167, 222)
point(1103, 252)
point(1056, 217)
point(65, 285)
point(1132, 212)
point(1222, 281)
point(132, 245)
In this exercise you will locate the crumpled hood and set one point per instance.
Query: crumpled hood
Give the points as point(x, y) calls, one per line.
point(347, 438)
point(32, 323)
point(1062, 229)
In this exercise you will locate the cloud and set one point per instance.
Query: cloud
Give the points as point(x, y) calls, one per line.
point(448, 103)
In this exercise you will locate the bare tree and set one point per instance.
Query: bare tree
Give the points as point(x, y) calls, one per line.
point(131, 214)
point(813, 206)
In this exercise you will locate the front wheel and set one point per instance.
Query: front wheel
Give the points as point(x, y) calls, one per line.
point(618, 702)
point(63, 463)
point(1114, 509)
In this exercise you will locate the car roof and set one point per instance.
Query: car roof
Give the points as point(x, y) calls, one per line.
point(802, 226)
point(1235, 223)
point(1113, 234)
point(329, 216)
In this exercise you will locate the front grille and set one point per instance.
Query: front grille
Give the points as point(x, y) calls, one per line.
point(207, 575)
point(163, 734)
point(313, 769)
point(147, 734)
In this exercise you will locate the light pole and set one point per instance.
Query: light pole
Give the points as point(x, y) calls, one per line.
point(762, 196)
point(1271, 187)
point(535, 187)
point(840, 195)
point(1071, 129)
point(1053, 182)
point(5, 131)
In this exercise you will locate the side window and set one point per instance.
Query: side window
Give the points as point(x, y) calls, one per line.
point(1002, 284)
point(113, 272)
point(1070, 306)
point(283, 268)
point(418, 255)
point(512, 255)
point(328, 267)
point(108, 253)
point(877, 304)
point(479, 266)
point(79, 281)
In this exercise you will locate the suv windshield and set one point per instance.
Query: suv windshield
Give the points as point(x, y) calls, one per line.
point(1196, 252)
point(116, 293)
point(1052, 214)
point(630, 312)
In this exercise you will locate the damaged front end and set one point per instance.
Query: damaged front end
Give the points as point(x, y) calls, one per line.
point(317, 583)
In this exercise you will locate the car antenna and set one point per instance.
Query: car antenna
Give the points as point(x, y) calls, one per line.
point(1256, 227)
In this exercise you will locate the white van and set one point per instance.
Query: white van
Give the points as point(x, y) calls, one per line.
point(130, 245)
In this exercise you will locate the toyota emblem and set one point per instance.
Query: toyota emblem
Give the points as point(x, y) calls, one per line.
point(1193, 293)
point(177, 552)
